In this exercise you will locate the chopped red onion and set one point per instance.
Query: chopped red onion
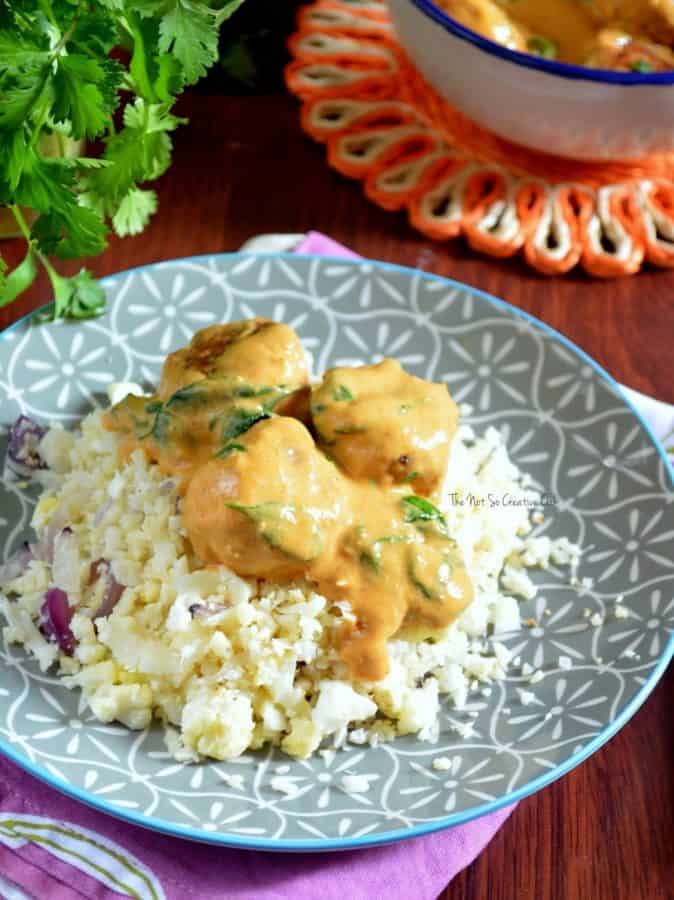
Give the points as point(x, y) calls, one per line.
point(57, 615)
point(22, 449)
point(16, 564)
point(167, 486)
point(113, 589)
point(205, 611)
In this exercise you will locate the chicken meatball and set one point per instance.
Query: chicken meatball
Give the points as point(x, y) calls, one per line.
point(380, 423)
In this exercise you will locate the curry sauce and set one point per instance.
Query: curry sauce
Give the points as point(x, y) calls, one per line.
point(336, 491)
point(630, 35)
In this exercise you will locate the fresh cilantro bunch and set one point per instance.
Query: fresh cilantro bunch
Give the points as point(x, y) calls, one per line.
point(112, 71)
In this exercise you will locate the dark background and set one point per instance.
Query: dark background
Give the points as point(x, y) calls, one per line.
point(252, 49)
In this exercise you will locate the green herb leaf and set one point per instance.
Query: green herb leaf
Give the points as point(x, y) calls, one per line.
point(188, 31)
point(342, 393)
point(642, 66)
point(228, 449)
point(70, 232)
point(188, 393)
point(249, 390)
point(542, 46)
point(239, 421)
point(134, 211)
point(77, 297)
point(26, 94)
point(371, 561)
point(140, 151)
point(277, 525)
point(85, 93)
point(415, 579)
point(18, 280)
point(59, 81)
point(18, 49)
point(418, 509)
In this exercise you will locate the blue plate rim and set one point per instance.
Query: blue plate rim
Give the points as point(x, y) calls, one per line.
point(370, 840)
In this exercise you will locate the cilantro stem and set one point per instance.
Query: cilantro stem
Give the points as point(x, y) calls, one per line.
point(25, 231)
point(48, 12)
point(21, 222)
point(139, 58)
point(67, 34)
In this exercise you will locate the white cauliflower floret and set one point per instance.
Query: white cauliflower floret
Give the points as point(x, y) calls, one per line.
point(220, 645)
point(473, 620)
point(91, 677)
point(420, 711)
point(389, 693)
point(133, 650)
point(214, 582)
point(130, 704)
point(218, 722)
point(88, 649)
point(452, 681)
point(518, 582)
point(22, 630)
point(505, 615)
point(179, 617)
point(55, 449)
point(176, 747)
point(537, 551)
point(273, 717)
point(354, 784)
point(303, 738)
point(338, 704)
point(563, 552)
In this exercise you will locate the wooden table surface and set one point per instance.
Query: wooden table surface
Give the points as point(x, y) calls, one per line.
point(242, 167)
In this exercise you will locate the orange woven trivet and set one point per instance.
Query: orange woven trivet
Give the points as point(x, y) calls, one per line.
point(384, 124)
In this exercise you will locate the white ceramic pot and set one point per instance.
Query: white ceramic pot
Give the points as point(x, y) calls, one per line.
point(554, 107)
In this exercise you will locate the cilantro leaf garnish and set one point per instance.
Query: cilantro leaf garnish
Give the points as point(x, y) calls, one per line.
point(228, 449)
point(418, 509)
point(342, 393)
point(240, 420)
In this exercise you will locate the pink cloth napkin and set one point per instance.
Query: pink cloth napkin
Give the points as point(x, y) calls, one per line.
point(315, 242)
point(79, 843)
point(418, 868)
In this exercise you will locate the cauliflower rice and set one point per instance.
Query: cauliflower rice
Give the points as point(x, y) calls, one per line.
point(228, 664)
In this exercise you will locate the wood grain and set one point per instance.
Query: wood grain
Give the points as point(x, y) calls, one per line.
point(242, 167)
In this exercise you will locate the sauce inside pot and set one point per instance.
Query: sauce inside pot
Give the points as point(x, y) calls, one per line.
point(628, 35)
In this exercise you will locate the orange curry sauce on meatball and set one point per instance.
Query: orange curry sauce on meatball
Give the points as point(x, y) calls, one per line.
point(332, 484)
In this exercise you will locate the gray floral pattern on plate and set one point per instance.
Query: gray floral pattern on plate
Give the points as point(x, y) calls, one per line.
point(566, 423)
